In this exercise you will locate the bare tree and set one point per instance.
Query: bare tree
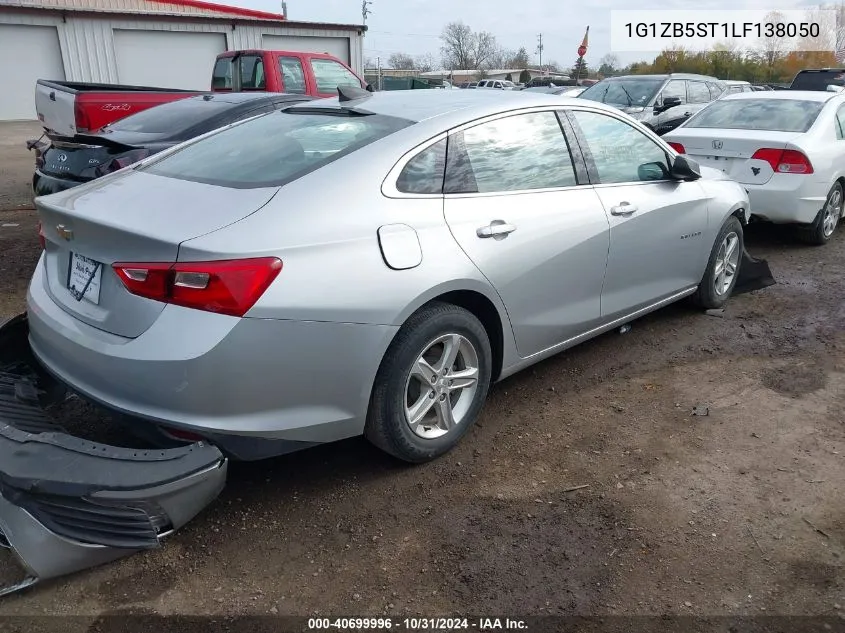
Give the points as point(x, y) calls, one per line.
point(463, 49)
point(773, 49)
point(609, 64)
point(831, 33)
point(369, 62)
point(425, 63)
point(519, 59)
point(458, 50)
point(401, 61)
point(486, 49)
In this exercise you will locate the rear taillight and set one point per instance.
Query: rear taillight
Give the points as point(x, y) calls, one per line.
point(785, 161)
point(678, 148)
point(129, 158)
point(41, 239)
point(227, 287)
point(83, 124)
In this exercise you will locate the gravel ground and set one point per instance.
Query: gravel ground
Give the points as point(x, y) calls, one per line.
point(588, 487)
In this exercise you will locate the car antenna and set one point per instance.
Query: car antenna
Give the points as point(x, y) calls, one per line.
point(351, 93)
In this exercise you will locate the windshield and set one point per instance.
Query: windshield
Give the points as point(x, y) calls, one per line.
point(776, 115)
point(170, 118)
point(508, 84)
point(272, 150)
point(626, 92)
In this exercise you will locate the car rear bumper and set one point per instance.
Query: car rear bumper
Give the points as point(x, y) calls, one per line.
point(255, 387)
point(45, 184)
point(67, 503)
point(787, 198)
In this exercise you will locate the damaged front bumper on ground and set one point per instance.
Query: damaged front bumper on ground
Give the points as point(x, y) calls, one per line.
point(67, 503)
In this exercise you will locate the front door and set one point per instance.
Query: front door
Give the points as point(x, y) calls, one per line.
point(657, 224)
point(540, 236)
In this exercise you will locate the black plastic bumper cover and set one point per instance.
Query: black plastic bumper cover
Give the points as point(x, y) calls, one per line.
point(67, 503)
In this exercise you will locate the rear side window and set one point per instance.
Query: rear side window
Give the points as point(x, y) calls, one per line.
point(716, 90)
point(292, 75)
point(171, 118)
point(777, 115)
point(516, 153)
point(221, 76)
point(274, 149)
point(698, 92)
point(424, 172)
point(330, 75)
point(252, 72)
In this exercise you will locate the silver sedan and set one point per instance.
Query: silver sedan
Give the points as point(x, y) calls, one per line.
point(369, 264)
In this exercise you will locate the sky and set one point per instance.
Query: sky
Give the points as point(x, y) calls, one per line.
point(414, 26)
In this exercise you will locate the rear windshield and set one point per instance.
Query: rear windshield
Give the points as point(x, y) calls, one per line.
point(776, 115)
point(272, 150)
point(628, 91)
point(170, 118)
point(818, 80)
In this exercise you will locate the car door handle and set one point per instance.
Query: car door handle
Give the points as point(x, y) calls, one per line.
point(497, 228)
point(624, 209)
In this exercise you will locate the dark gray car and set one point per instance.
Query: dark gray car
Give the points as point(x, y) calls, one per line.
point(661, 102)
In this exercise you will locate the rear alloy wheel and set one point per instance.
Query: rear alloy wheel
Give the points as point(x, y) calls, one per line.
point(820, 232)
point(722, 267)
point(431, 385)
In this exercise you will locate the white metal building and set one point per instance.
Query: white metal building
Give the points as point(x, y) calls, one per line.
point(161, 43)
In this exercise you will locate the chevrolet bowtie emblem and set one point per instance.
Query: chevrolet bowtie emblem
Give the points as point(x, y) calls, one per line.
point(64, 232)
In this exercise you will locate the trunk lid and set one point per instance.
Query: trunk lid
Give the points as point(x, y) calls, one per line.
point(128, 217)
point(81, 158)
point(56, 107)
point(730, 151)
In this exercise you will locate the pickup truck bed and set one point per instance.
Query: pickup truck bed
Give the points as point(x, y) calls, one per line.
point(67, 108)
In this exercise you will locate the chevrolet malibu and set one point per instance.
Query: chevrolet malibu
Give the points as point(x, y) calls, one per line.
point(369, 264)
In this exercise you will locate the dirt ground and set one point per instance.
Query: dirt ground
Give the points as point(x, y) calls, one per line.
point(16, 163)
point(588, 487)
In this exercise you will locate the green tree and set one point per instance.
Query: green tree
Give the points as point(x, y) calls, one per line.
point(580, 69)
point(524, 77)
point(508, 77)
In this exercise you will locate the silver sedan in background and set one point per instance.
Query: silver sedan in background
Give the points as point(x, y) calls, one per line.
point(369, 264)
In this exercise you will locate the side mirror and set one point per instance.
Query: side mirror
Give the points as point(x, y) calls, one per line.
point(670, 102)
point(685, 168)
point(370, 88)
point(651, 171)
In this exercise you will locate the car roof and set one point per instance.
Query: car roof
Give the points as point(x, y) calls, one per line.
point(664, 76)
point(422, 105)
point(736, 82)
point(795, 95)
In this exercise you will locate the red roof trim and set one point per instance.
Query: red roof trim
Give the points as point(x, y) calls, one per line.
point(222, 8)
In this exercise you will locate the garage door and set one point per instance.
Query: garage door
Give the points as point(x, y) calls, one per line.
point(167, 59)
point(29, 53)
point(337, 46)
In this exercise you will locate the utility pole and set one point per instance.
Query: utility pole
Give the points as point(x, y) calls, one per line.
point(540, 50)
point(284, 9)
point(365, 11)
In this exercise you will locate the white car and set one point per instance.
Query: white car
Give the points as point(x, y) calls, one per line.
point(787, 148)
point(496, 84)
point(735, 86)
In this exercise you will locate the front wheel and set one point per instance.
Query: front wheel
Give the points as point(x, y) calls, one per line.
point(431, 384)
point(723, 266)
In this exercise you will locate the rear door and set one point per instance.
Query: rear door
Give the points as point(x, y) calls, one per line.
point(518, 203)
point(656, 223)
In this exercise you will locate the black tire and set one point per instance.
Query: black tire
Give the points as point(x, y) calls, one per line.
point(817, 233)
point(706, 295)
point(387, 426)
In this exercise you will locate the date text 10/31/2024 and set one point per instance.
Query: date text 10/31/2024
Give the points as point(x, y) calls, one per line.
point(417, 624)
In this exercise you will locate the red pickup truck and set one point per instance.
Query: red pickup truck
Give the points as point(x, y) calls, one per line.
point(314, 74)
point(69, 108)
